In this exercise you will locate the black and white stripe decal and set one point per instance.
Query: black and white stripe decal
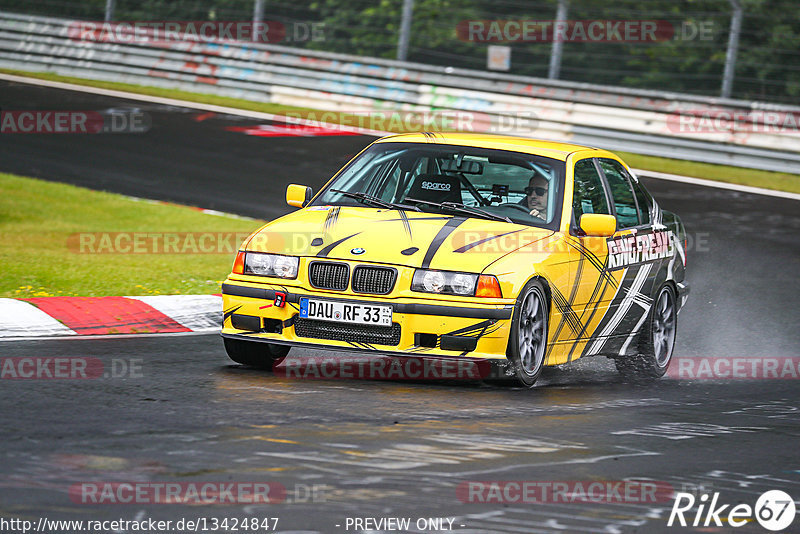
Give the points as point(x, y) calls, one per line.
point(630, 294)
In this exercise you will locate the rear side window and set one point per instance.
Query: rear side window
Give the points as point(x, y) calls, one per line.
point(644, 200)
point(621, 192)
point(589, 195)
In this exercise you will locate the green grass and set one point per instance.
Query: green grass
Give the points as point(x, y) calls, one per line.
point(41, 224)
point(723, 173)
point(781, 181)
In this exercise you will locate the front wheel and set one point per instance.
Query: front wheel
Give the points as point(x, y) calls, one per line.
point(527, 342)
point(255, 354)
point(657, 340)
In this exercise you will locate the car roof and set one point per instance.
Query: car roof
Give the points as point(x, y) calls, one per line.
point(551, 149)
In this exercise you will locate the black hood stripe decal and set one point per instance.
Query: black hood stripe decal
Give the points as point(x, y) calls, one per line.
point(445, 231)
point(438, 218)
point(482, 241)
point(406, 224)
point(325, 251)
point(331, 218)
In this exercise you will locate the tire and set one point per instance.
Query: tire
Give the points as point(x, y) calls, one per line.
point(255, 354)
point(657, 340)
point(527, 342)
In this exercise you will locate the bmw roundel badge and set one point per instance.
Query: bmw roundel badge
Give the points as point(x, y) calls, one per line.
point(357, 251)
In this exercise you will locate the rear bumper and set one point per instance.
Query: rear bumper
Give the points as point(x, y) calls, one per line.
point(420, 326)
point(683, 293)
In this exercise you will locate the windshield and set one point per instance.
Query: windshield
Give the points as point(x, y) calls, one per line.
point(524, 188)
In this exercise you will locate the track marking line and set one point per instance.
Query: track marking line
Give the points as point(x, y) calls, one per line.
point(362, 131)
point(110, 336)
point(719, 185)
point(185, 104)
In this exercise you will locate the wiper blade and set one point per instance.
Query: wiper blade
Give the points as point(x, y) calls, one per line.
point(461, 208)
point(374, 201)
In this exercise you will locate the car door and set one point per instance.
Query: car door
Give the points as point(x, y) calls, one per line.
point(632, 252)
point(593, 286)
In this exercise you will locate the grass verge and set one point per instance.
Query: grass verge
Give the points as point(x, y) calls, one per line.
point(722, 173)
point(58, 239)
point(780, 181)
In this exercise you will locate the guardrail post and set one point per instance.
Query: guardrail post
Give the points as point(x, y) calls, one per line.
point(258, 12)
point(110, 4)
point(558, 46)
point(405, 30)
point(733, 49)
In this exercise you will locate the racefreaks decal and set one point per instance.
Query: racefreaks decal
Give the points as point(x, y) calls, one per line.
point(629, 250)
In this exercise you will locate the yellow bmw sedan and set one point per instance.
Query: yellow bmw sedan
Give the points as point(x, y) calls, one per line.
point(527, 253)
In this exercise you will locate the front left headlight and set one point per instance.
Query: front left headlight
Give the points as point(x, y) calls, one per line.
point(453, 283)
point(271, 265)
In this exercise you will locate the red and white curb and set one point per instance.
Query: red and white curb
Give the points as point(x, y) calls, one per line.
point(87, 316)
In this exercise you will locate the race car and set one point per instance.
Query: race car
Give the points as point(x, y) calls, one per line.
point(523, 252)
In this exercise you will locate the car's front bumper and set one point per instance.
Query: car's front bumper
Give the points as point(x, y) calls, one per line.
point(421, 326)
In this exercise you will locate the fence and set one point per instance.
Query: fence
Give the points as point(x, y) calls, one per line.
point(646, 122)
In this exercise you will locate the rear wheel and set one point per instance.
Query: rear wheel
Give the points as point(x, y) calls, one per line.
point(255, 354)
point(528, 339)
point(657, 340)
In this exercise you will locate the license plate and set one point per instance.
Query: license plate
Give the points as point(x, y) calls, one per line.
point(345, 312)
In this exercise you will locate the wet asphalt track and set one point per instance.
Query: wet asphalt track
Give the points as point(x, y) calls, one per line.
point(392, 448)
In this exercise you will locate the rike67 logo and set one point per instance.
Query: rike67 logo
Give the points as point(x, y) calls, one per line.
point(774, 510)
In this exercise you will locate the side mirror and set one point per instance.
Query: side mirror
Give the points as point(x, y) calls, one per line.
point(298, 195)
point(596, 224)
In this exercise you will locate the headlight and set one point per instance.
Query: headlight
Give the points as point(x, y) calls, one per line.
point(270, 265)
point(463, 284)
point(444, 282)
point(433, 281)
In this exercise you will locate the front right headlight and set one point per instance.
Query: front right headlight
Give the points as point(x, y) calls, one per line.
point(275, 265)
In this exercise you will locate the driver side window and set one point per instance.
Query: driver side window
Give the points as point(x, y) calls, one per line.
point(624, 203)
point(589, 196)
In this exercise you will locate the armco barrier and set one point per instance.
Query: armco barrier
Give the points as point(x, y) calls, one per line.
point(610, 117)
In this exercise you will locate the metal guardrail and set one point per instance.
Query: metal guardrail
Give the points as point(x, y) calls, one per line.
point(616, 118)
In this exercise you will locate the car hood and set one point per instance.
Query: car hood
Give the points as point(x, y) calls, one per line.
point(394, 237)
